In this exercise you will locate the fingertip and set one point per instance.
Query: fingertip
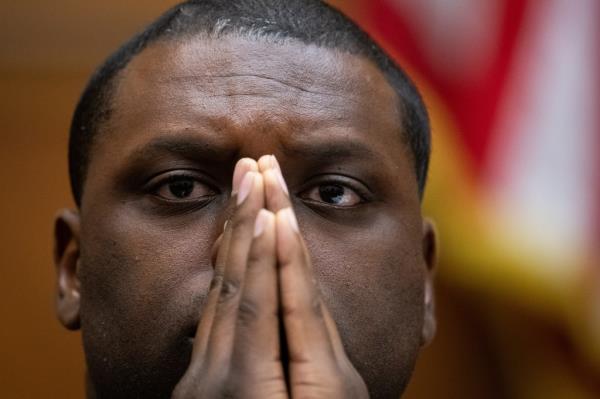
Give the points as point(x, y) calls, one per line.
point(271, 183)
point(243, 166)
point(265, 163)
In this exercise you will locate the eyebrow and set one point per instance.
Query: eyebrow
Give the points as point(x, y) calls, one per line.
point(322, 151)
point(192, 148)
point(203, 148)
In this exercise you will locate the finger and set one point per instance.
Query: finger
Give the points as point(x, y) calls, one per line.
point(334, 335)
point(306, 332)
point(214, 252)
point(250, 199)
point(220, 251)
point(276, 190)
point(256, 348)
point(355, 382)
point(265, 163)
point(242, 166)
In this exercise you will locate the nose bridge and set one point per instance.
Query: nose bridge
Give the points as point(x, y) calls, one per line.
point(261, 135)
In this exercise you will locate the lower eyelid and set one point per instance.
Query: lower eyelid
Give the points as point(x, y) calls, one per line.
point(155, 188)
point(168, 193)
point(166, 208)
point(360, 197)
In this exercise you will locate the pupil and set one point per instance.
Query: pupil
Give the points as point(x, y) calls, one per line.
point(331, 193)
point(182, 188)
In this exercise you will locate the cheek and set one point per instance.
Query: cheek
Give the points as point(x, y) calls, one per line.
point(125, 261)
point(373, 284)
point(143, 285)
point(372, 291)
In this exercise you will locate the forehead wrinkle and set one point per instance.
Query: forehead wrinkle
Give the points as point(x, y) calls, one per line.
point(212, 78)
point(234, 57)
point(237, 92)
point(216, 67)
point(240, 96)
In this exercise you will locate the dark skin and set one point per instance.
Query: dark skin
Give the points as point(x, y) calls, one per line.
point(338, 307)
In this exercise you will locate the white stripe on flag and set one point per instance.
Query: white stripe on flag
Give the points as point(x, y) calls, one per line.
point(543, 160)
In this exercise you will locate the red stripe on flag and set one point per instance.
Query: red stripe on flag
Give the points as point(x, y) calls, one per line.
point(474, 103)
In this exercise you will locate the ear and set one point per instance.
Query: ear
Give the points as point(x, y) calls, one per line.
point(430, 259)
point(66, 260)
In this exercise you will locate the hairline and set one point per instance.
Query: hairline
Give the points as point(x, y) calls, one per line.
point(109, 83)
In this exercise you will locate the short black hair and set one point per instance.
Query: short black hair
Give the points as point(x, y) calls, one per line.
point(312, 22)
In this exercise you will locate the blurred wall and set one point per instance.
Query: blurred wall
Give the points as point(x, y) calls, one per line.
point(47, 52)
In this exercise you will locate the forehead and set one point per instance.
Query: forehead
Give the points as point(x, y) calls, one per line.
point(276, 69)
point(238, 80)
point(235, 93)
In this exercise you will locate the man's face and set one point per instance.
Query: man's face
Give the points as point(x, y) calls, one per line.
point(156, 197)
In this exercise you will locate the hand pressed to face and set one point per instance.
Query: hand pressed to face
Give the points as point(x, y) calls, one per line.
point(263, 274)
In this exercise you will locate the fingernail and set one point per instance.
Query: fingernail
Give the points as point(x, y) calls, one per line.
point(282, 182)
point(243, 166)
point(291, 216)
point(273, 162)
point(277, 169)
point(261, 222)
point(245, 187)
point(225, 224)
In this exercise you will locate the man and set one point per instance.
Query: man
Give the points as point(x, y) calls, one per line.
point(248, 176)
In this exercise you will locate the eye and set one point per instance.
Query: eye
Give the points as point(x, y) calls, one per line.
point(178, 187)
point(333, 194)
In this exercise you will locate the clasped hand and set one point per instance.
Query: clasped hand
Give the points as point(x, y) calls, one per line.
point(265, 331)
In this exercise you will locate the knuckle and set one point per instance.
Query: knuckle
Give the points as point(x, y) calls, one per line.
point(216, 282)
point(301, 309)
point(289, 310)
point(227, 393)
point(231, 386)
point(256, 256)
point(315, 306)
point(241, 218)
point(248, 312)
point(229, 289)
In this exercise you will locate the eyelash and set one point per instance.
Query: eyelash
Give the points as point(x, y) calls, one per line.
point(175, 177)
point(362, 193)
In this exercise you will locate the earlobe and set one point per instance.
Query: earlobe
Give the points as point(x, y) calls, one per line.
point(66, 260)
point(430, 260)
